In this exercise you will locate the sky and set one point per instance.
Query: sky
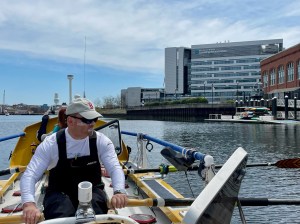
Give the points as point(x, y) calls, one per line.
point(110, 45)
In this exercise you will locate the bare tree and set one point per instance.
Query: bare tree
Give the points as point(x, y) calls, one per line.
point(108, 102)
point(118, 101)
point(97, 102)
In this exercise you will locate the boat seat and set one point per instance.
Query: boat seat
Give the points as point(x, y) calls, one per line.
point(159, 189)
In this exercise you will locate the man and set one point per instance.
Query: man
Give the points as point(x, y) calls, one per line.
point(73, 155)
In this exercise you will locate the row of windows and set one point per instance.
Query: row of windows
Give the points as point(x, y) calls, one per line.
point(224, 75)
point(224, 68)
point(281, 73)
point(220, 94)
point(236, 82)
point(229, 61)
point(249, 87)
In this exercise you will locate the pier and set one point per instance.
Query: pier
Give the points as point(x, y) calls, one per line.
point(183, 112)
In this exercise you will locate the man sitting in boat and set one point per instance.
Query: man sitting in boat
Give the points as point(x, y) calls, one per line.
point(73, 155)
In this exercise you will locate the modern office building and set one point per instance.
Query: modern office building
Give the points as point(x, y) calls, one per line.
point(177, 64)
point(230, 70)
point(219, 72)
point(281, 74)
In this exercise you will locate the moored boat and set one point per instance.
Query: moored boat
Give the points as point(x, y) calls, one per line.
point(253, 113)
point(142, 181)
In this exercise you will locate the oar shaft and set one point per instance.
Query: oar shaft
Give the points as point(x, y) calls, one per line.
point(12, 136)
point(267, 202)
point(160, 170)
point(132, 171)
point(12, 170)
point(160, 202)
point(252, 165)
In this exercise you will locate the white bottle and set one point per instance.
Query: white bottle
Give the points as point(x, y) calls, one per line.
point(85, 212)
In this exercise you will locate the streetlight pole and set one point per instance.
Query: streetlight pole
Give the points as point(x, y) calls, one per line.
point(237, 91)
point(204, 88)
point(212, 95)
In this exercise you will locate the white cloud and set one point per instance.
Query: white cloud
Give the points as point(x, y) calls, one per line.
point(132, 35)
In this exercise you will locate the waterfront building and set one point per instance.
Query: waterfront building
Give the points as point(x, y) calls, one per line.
point(230, 70)
point(218, 72)
point(281, 74)
point(138, 96)
point(177, 70)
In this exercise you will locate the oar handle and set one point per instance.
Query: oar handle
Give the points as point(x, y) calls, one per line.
point(140, 202)
point(16, 219)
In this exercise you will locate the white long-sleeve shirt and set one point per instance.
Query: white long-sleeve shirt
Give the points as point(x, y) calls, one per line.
point(46, 158)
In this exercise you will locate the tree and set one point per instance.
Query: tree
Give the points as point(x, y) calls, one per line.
point(118, 101)
point(97, 102)
point(108, 102)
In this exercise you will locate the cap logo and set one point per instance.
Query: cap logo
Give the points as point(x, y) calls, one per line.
point(91, 105)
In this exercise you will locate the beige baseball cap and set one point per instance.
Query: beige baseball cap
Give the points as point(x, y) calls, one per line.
point(84, 107)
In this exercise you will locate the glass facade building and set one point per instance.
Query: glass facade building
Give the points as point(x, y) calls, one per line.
point(219, 72)
point(177, 70)
point(230, 70)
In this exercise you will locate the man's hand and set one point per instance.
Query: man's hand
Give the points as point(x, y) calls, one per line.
point(119, 200)
point(31, 214)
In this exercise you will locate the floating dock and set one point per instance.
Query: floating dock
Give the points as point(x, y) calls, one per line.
point(235, 119)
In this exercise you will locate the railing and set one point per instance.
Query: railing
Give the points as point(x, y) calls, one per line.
point(281, 103)
point(291, 115)
point(215, 116)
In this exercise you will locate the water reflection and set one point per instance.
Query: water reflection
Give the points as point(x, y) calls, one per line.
point(264, 143)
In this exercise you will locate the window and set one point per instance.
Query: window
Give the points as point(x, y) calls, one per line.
point(265, 77)
point(218, 62)
point(280, 75)
point(298, 69)
point(272, 77)
point(290, 72)
point(231, 68)
point(195, 63)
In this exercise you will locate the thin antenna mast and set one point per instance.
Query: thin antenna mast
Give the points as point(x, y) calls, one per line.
point(84, 67)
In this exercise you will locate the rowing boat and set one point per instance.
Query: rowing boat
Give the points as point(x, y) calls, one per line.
point(151, 198)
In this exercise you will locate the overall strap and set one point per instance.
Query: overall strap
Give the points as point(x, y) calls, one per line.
point(61, 142)
point(93, 145)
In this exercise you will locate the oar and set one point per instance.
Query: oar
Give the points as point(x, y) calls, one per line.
point(160, 202)
point(12, 170)
point(12, 136)
point(267, 201)
point(285, 163)
point(16, 219)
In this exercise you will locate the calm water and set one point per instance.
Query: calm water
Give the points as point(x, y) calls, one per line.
point(264, 143)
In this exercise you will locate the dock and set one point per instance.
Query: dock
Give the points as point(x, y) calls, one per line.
point(260, 120)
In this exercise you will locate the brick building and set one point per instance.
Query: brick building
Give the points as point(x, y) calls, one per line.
point(280, 74)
